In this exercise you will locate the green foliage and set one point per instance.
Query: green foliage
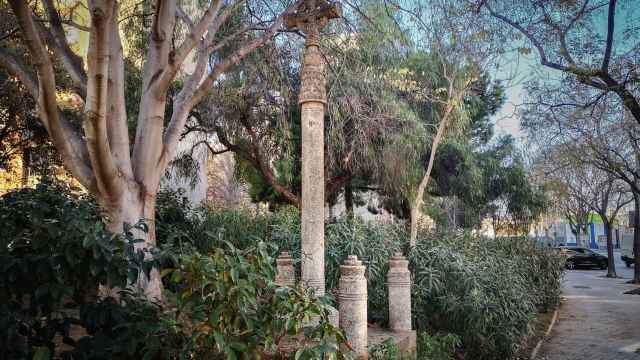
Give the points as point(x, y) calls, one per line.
point(386, 350)
point(226, 306)
point(219, 303)
point(437, 347)
point(490, 181)
point(54, 252)
point(483, 290)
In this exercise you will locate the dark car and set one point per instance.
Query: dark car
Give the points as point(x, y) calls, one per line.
point(583, 257)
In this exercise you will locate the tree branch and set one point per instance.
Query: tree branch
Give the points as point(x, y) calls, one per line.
point(195, 91)
point(71, 61)
point(610, 28)
point(97, 102)
point(147, 149)
point(68, 143)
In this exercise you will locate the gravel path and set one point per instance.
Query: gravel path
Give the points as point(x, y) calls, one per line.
point(596, 320)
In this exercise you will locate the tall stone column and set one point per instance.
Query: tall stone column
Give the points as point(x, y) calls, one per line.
point(310, 18)
point(399, 283)
point(353, 305)
point(312, 103)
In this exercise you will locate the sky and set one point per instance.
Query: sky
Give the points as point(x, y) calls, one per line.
point(515, 72)
point(517, 68)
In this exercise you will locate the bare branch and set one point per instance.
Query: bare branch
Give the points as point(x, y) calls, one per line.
point(610, 28)
point(58, 40)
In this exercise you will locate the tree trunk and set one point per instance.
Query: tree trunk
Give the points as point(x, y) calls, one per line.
point(348, 199)
point(417, 203)
point(415, 209)
point(611, 264)
point(636, 238)
point(133, 207)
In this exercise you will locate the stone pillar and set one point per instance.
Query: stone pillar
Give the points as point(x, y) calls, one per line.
point(399, 282)
point(311, 17)
point(353, 305)
point(312, 104)
point(285, 272)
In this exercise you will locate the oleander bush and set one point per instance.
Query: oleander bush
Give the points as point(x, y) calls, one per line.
point(486, 291)
point(54, 251)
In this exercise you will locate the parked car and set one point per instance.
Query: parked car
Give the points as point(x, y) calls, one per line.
point(583, 257)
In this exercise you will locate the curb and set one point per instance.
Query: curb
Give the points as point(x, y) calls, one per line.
point(534, 353)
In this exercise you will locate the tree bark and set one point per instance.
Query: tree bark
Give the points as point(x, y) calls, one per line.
point(636, 238)
point(417, 203)
point(611, 264)
point(132, 207)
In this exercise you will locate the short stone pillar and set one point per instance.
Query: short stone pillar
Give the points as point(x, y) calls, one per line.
point(285, 272)
point(353, 305)
point(399, 282)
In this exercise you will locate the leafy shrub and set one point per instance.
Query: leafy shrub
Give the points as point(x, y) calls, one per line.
point(227, 306)
point(54, 251)
point(487, 291)
point(437, 347)
point(482, 290)
point(386, 350)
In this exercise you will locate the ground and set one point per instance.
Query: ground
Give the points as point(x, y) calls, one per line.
point(596, 320)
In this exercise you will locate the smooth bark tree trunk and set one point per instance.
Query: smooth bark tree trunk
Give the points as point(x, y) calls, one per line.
point(611, 264)
point(636, 238)
point(415, 209)
point(132, 208)
point(417, 203)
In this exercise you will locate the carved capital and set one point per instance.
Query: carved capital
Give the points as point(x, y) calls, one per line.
point(312, 79)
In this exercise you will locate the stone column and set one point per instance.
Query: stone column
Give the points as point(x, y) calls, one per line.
point(312, 103)
point(285, 272)
point(310, 17)
point(353, 305)
point(399, 282)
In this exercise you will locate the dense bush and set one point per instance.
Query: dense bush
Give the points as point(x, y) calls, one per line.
point(486, 291)
point(54, 252)
point(226, 307)
point(477, 295)
point(219, 304)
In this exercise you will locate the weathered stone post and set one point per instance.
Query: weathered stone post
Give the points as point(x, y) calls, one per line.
point(285, 272)
point(311, 17)
point(399, 282)
point(353, 305)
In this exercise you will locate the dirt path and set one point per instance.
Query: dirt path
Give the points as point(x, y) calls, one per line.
point(596, 320)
